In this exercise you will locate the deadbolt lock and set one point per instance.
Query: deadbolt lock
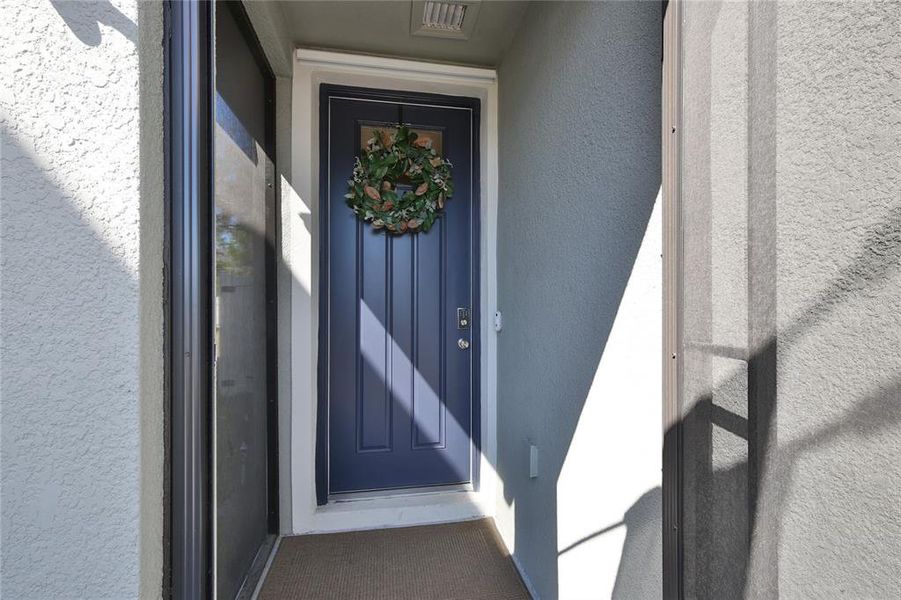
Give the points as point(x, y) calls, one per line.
point(463, 318)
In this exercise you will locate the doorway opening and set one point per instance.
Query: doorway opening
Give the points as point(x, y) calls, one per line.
point(543, 523)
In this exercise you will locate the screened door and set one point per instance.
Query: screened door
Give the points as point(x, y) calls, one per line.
point(245, 399)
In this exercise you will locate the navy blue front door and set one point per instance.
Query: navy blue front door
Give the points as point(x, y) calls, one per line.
point(400, 377)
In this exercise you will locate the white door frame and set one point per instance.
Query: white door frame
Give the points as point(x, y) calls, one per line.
point(300, 251)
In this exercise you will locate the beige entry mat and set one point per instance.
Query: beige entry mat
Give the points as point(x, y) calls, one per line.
point(457, 560)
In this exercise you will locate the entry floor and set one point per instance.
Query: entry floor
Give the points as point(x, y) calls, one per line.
point(457, 561)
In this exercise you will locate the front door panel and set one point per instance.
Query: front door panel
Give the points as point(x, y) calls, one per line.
point(399, 385)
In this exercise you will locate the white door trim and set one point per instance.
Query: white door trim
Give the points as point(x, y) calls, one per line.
point(393, 67)
point(300, 247)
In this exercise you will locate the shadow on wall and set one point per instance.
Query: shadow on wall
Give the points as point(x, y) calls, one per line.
point(731, 561)
point(84, 18)
point(579, 175)
point(70, 360)
point(732, 546)
point(738, 482)
point(642, 550)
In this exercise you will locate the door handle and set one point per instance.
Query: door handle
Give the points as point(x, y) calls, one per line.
point(462, 344)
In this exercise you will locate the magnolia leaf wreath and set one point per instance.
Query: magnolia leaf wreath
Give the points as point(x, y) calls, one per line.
point(390, 159)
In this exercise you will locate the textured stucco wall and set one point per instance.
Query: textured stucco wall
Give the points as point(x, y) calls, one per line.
point(81, 227)
point(579, 277)
point(792, 122)
point(834, 481)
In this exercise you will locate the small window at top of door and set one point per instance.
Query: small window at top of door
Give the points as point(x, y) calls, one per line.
point(433, 137)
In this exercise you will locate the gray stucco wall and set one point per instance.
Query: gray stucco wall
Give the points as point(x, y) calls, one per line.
point(579, 173)
point(272, 28)
point(81, 330)
point(792, 209)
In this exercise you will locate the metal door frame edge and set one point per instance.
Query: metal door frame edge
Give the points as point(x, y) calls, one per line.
point(671, 105)
point(188, 144)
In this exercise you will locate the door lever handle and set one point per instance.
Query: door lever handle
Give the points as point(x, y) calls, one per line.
point(462, 344)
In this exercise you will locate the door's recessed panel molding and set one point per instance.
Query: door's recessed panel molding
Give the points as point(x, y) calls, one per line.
point(429, 389)
point(373, 412)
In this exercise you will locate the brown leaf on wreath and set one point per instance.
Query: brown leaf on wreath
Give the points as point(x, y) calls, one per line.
point(387, 140)
point(435, 161)
point(402, 227)
point(386, 186)
point(413, 223)
point(422, 189)
point(372, 192)
point(388, 205)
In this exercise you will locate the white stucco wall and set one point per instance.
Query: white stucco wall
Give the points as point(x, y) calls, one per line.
point(81, 330)
point(579, 285)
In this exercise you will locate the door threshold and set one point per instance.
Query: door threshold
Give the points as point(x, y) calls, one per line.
point(398, 508)
point(399, 492)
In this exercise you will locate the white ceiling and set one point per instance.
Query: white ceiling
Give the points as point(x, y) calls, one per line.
point(382, 27)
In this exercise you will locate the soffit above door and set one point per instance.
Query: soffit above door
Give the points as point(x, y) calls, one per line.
point(395, 28)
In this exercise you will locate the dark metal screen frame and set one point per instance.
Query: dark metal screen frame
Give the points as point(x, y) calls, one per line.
point(672, 285)
point(188, 108)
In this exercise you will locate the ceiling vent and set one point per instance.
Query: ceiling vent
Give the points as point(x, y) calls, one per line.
point(444, 19)
point(445, 16)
